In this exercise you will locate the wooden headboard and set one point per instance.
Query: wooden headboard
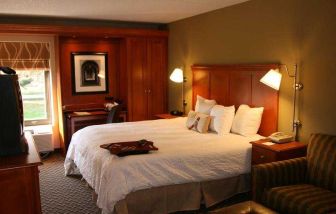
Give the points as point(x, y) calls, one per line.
point(236, 85)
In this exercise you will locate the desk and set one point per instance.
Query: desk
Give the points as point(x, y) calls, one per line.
point(80, 119)
point(19, 182)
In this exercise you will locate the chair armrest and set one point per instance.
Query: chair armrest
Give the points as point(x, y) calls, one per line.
point(275, 174)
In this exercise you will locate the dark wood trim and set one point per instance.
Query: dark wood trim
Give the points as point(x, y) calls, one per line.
point(75, 31)
point(238, 67)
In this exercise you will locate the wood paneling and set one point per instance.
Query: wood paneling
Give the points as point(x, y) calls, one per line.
point(68, 45)
point(236, 85)
point(240, 89)
point(147, 77)
point(219, 87)
point(200, 84)
point(137, 71)
point(157, 84)
point(122, 74)
point(80, 30)
point(89, 102)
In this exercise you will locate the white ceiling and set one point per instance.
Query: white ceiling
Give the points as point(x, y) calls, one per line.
point(157, 11)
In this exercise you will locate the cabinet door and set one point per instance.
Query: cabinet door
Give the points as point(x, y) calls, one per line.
point(136, 71)
point(157, 70)
point(20, 191)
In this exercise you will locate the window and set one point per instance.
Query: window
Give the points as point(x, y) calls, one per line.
point(35, 90)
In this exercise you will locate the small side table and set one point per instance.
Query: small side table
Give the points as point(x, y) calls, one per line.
point(262, 153)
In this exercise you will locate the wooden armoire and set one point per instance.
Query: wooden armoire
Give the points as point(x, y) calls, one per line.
point(147, 77)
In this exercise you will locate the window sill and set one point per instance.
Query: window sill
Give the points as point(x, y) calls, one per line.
point(41, 129)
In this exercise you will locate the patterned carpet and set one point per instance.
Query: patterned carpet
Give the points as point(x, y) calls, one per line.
point(61, 194)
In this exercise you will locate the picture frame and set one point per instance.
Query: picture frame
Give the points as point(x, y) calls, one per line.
point(89, 73)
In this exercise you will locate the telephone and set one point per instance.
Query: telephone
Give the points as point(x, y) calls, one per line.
point(176, 113)
point(280, 137)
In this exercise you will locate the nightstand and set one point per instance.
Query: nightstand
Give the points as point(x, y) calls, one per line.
point(166, 116)
point(262, 153)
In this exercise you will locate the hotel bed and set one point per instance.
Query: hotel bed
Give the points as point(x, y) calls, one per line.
point(189, 167)
point(184, 156)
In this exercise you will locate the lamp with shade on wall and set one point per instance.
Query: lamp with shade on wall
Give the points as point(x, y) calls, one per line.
point(273, 79)
point(177, 76)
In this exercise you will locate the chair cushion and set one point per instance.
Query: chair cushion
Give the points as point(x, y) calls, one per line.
point(247, 207)
point(321, 161)
point(301, 199)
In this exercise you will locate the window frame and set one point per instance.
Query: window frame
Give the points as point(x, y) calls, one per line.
point(47, 97)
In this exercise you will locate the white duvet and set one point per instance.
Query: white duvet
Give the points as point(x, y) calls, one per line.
point(184, 156)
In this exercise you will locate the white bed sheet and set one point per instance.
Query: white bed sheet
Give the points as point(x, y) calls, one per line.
point(184, 156)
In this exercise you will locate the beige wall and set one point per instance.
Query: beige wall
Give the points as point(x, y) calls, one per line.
point(267, 31)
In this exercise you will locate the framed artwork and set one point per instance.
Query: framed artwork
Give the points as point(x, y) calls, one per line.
point(89, 73)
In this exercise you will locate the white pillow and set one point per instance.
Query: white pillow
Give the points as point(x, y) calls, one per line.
point(198, 121)
point(204, 105)
point(247, 120)
point(221, 118)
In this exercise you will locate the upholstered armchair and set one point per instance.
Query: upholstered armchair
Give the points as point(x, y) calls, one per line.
point(301, 185)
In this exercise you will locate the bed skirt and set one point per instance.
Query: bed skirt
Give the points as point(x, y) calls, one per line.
point(182, 197)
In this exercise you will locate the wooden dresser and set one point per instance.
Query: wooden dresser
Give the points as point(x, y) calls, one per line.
point(19, 182)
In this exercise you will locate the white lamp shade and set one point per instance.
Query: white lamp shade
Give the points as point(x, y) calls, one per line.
point(272, 79)
point(177, 75)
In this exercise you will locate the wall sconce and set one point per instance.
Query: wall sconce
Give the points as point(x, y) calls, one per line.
point(273, 79)
point(177, 76)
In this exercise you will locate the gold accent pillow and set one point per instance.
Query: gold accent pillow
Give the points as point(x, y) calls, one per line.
point(198, 121)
